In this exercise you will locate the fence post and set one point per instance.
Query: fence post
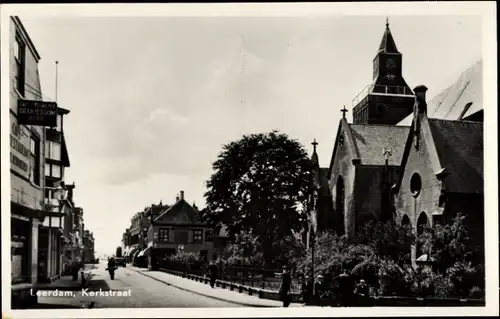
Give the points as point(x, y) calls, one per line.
point(263, 271)
point(251, 274)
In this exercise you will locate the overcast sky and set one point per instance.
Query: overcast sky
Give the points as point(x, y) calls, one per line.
point(152, 100)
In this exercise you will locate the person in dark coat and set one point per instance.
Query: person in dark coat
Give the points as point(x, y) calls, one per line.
point(307, 290)
point(346, 289)
point(284, 290)
point(112, 267)
point(362, 293)
point(76, 266)
point(320, 290)
point(212, 271)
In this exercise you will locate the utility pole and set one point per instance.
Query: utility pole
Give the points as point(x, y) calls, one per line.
point(57, 70)
point(386, 193)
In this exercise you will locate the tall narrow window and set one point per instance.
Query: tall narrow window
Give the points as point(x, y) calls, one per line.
point(35, 161)
point(163, 235)
point(59, 122)
point(19, 56)
point(53, 150)
point(56, 171)
point(47, 171)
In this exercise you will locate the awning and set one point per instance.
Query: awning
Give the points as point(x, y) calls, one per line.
point(144, 251)
point(133, 250)
point(127, 251)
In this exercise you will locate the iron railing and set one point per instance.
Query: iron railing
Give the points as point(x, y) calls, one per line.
point(268, 279)
point(383, 89)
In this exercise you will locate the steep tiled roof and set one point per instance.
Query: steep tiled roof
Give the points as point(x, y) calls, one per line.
point(450, 103)
point(179, 213)
point(387, 44)
point(370, 141)
point(459, 145)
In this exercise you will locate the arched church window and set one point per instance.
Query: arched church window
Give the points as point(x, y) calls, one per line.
point(405, 222)
point(422, 223)
point(340, 204)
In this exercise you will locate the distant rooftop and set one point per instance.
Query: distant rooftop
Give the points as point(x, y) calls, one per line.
point(461, 100)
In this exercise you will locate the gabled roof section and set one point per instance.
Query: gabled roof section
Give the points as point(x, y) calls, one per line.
point(459, 145)
point(349, 142)
point(461, 100)
point(387, 45)
point(179, 213)
point(370, 140)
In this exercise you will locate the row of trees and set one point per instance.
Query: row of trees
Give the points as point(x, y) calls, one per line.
point(259, 191)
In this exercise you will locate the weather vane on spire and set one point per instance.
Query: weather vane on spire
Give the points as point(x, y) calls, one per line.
point(387, 22)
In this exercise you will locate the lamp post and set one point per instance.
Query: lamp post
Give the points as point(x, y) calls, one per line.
point(386, 202)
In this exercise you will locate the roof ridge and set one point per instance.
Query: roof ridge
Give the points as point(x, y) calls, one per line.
point(388, 125)
point(455, 121)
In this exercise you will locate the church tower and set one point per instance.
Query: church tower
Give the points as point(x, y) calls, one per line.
point(388, 100)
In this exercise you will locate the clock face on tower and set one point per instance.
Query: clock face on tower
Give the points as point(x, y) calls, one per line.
point(390, 64)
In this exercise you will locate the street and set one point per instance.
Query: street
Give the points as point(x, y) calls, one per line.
point(145, 292)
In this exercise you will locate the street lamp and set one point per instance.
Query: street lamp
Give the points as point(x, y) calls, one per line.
point(386, 202)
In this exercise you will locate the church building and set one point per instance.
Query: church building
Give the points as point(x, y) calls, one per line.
point(372, 162)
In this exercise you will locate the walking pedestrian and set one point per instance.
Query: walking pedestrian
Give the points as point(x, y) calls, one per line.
point(307, 290)
point(212, 268)
point(284, 290)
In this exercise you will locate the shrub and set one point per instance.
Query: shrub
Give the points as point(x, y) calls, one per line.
point(476, 293)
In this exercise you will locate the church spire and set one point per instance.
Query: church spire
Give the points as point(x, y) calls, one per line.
point(314, 156)
point(387, 44)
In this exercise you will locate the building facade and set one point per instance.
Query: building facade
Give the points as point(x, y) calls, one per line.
point(372, 165)
point(88, 247)
point(27, 158)
point(51, 243)
point(173, 229)
point(442, 174)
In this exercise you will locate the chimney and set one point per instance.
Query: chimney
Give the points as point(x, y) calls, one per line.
point(182, 195)
point(177, 198)
point(420, 103)
point(420, 107)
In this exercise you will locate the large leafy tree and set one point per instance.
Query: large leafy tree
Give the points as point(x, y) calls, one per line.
point(260, 185)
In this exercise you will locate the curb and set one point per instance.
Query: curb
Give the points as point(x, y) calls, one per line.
point(202, 294)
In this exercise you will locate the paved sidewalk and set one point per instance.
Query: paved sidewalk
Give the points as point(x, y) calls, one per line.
point(207, 291)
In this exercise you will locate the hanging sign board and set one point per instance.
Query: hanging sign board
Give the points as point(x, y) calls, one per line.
point(37, 113)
